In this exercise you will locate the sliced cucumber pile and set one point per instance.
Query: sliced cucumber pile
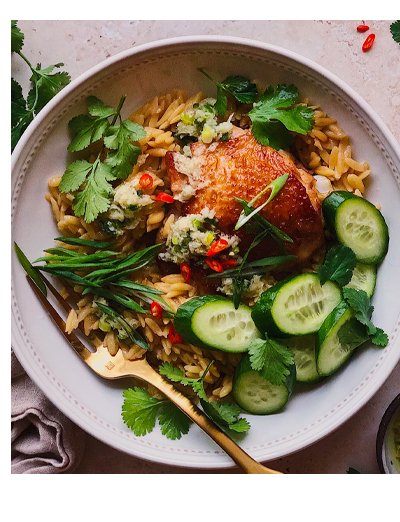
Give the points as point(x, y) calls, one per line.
point(213, 322)
point(296, 306)
point(364, 278)
point(258, 396)
point(303, 349)
point(332, 349)
point(357, 224)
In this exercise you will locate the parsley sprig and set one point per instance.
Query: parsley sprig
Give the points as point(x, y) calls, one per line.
point(45, 84)
point(91, 181)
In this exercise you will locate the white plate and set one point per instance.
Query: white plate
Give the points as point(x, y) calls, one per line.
point(141, 73)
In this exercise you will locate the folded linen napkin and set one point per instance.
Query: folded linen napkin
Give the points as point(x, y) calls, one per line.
point(43, 440)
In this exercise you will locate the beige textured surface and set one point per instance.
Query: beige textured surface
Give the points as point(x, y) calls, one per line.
point(334, 44)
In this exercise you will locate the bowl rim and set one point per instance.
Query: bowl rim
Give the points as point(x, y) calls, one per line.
point(39, 377)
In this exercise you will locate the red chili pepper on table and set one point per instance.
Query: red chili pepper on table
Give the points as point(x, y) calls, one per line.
point(163, 196)
point(146, 181)
point(186, 272)
point(215, 265)
point(156, 310)
point(362, 28)
point(173, 335)
point(217, 246)
point(368, 42)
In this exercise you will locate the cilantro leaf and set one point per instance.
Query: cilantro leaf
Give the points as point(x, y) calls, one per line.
point(20, 115)
point(75, 175)
point(17, 37)
point(46, 84)
point(338, 265)
point(98, 109)
point(241, 88)
point(380, 338)
point(277, 104)
point(173, 422)
point(272, 359)
point(352, 334)
point(395, 30)
point(360, 303)
point(87, 130)
point(226, 415)
point(176, 375)
point(140, 410)
point(120, 138)
point(94, 198)
point(221, 104)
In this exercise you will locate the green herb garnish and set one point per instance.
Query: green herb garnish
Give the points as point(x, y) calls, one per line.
point(239, 87)
point(30, 270)
point(338, 265)
point(271, 359)
point(140, 411)
point(277, 113)
point(45, 84)
point(119, 148)
point(360, 303)
point(395, 30)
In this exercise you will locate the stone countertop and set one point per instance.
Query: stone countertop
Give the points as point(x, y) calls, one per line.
point(334, 44)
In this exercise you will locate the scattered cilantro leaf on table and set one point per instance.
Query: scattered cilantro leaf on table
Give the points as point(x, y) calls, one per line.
point(276, 113)
point(45, 84)
point(360, 303)
point(338, 265)
point(140, 412)
point(272, 359)
point(395, 30)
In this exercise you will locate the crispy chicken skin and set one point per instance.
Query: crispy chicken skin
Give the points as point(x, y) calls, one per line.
point(242, 167)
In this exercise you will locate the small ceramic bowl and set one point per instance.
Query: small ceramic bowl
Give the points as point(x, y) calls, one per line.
point(388, 439)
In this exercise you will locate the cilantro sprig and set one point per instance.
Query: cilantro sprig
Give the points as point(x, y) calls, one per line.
point(240, 88)
point(45, 84)
point(140, 412)
point(395, 30)
point(360, 303)
point(92, 181)
point(271, 359)
point(338, 265)
point(277, 114)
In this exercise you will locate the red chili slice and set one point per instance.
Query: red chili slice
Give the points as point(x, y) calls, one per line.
point(215, 265)
point(186, 272)
point(173, 336)
point(228, 263)
point(146, 181)
point(362, 28)
point(368, 42)
point(156, 310)
point(163, 196)
point(217, 246)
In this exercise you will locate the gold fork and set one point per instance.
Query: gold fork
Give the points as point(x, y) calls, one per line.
point(117, 367)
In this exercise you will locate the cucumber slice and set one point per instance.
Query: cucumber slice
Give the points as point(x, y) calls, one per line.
point(213, 322)
point(255, 394)
point(357, 224)
point(303, 349)
point(296, 306)
point(364, 278)
point(338, 337)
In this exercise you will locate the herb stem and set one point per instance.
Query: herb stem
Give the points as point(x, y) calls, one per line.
point(118, 109)
point(26, 61)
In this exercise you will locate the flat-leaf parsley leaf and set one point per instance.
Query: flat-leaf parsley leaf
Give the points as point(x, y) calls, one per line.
point(338, 265)
point(272, 359)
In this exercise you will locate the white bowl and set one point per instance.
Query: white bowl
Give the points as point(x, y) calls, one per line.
point(141, 73)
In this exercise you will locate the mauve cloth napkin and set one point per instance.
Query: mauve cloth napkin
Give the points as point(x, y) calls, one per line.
point(43, 440)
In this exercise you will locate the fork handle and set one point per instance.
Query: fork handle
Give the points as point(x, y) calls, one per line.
point(242, 459)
